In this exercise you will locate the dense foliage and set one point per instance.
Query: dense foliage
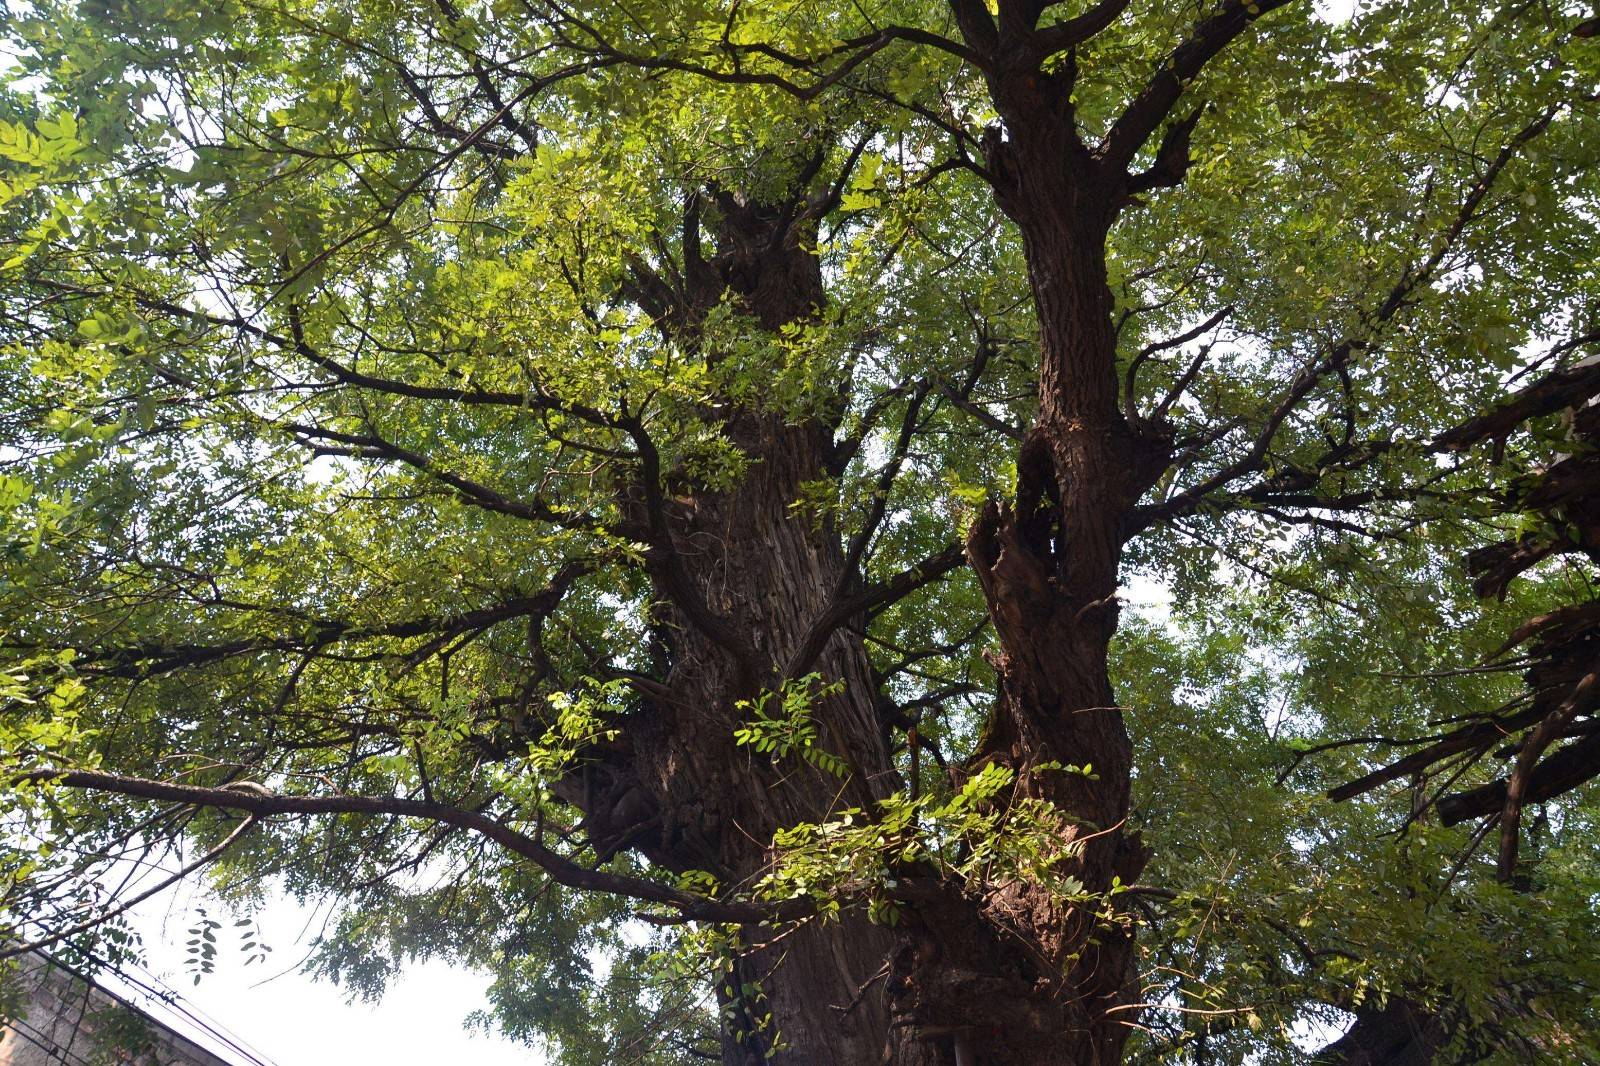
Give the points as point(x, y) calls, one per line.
point(388, 385)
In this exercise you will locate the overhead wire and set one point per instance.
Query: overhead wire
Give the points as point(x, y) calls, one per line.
point(194, 1013)
point(166, 1006)
point(50, 1049)
point(46, 1042)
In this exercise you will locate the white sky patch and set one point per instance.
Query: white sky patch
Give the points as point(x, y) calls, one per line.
point(1148, 594)
point(1336, 10)
point(290, 1019)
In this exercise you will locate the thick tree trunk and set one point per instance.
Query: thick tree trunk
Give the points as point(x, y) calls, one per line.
point(771, 574)
point(1400, 1033)
point(740, 582)
point(1048, 565)
point(1018, 975)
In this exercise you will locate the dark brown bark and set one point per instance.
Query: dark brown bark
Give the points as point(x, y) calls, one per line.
point(770, 574)
point(1048, 565)
point(1015, 976)
point(1400, 1033)
point(741, 583)
point(1017, 973)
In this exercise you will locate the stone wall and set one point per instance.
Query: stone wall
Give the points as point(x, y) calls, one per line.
point(67, 1020)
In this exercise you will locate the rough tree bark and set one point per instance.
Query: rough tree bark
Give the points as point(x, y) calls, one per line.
point(1023, 976)
point(1400, 1033)
point(1018, 975)
point(1048, 565)
point(741, 584)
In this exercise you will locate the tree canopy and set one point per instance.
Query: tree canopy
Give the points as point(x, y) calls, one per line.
point(820, 531)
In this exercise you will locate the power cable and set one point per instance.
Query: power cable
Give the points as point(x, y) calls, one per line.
point(63, 1055)
point(160, 998)
point(176, 1001)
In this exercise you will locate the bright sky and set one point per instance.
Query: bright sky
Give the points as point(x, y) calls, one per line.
point(291, 1020)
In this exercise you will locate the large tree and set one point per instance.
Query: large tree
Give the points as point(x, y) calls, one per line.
point(641, 498)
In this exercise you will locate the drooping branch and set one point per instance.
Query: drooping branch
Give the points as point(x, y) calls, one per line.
point(143, 661)
point(193, 866)
point(261, 802)
point(826, 68)
point(1130, 409)
point(371, 445)
point(870, 600)
point(532, 399)
point(879, 505)
point(1479, 737)
point(521, 128)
